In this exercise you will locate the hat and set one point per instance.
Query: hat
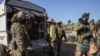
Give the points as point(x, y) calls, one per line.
point(50, 20)
point(86, 14)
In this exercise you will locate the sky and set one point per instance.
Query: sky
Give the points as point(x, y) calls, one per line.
point(69, 9)
point(1, 1)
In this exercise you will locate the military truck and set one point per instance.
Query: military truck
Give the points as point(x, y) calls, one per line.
point(7, 9)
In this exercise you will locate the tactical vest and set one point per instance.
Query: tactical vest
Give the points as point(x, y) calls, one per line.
point(83, 33)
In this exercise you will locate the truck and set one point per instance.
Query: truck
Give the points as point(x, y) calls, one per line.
point(7, 9)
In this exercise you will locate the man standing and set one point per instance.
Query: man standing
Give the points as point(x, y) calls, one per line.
point(98, 31)
point(20, 38)
point(83, 35)
point(59, 32)
point(98, 38)
point(92, 27)
point(51, 36)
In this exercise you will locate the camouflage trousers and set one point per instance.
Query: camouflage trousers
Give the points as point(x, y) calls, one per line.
point(55, 49)
point(82, 49)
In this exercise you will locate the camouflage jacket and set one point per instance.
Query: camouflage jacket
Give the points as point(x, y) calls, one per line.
point(20, 37)
point(59, 31)
point(83, 32)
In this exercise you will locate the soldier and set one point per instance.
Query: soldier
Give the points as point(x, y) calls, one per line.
point(60, 33)
point(19, 42)
point(51, 36)
point(98, 32)
point(64, 33)
point(98, 39)
point(92, 27)
point(83, 35)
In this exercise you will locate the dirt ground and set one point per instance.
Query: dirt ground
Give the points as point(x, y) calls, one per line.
point(67, 49)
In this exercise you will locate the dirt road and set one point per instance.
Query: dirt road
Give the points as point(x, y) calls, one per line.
point(67, 49)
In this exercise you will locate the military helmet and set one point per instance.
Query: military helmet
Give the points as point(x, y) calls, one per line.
point(85, 14)
point(50, 20)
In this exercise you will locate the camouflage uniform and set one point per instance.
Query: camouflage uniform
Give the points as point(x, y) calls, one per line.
point(59, 33)
point(98, 32)
point(92, 25)
point(17, 42)
point(92, 28)
point(64, 34)
point(20, 37)
point(83, 37)
point(51, 31)
point(98, 42)
point(51, 36)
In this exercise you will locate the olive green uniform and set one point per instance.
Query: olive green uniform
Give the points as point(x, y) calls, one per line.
point(59, 38)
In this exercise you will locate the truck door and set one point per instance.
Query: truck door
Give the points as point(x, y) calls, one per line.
point(3, 31)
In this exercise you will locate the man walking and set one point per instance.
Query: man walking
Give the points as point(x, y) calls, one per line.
point(83, 35)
